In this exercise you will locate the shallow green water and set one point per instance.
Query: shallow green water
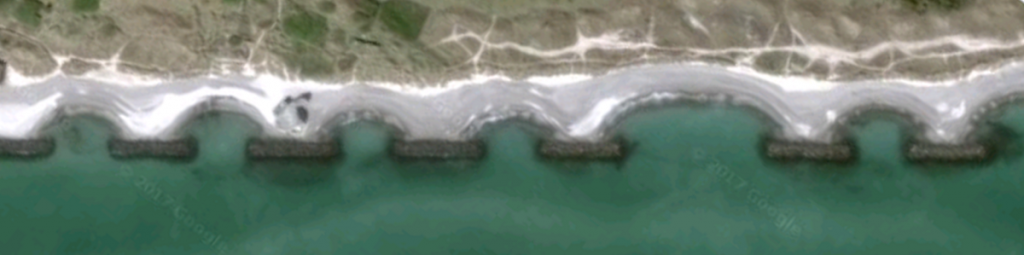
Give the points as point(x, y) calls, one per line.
point(694, 185)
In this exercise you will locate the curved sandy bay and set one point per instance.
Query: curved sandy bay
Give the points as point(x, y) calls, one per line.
point(584, 109)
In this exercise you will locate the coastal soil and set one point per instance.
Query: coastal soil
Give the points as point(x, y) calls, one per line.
point(429, 42)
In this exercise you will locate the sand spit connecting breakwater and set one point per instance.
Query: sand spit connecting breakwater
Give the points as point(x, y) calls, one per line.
point(582, 111)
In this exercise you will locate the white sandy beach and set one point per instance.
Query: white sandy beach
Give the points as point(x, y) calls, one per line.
point(574, 107)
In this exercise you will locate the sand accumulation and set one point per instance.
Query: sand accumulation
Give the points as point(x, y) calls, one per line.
point(427, 43)
point(298, 69)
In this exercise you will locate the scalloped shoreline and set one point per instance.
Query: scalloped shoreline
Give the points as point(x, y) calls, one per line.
point(579, 109)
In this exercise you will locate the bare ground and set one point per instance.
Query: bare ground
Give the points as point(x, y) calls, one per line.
point(427, 42)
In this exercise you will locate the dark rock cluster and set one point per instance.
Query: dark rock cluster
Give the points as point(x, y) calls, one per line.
point(184, 148)
point(582, 150)
point(26, 147)
point(919, 152)
point(291, 149)
point(812, 151)
point(298, 103)
point(438, 149)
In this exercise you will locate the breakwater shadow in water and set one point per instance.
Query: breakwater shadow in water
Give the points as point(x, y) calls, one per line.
point(437, 150)
point(579, 158)
point(294, 163)
point(812, 173)
point(291, 172)
point(448, 171)
point(594, 155)
point(1005, 142)
point(842, 153)
point(83, 134)
point(835, 173)
point(977, 149)
point(183, 150)
point(832, 172)
point(273, 161)
point(30, 150)
point(377, 139)
point(1002, 145)
point(463, 164)
point(90, 134)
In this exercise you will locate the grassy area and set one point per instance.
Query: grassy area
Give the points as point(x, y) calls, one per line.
point(926, 5)
point(29, 12)
point(404, 17)
point(326, 6)
point(85, 5)
point(365, 8)
point(306, 27)
point(310, 62)
point(6, 4)
point(233, 2)
point(109, 29)
point(366, 12)
point(234, 40)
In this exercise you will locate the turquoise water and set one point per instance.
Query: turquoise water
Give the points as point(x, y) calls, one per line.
point(695, 184)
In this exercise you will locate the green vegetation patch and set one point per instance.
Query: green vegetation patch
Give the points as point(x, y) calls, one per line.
point(30, 12)
point(326, 6)
point(364, 8)
point(85, 5)
point(233, 2)
point(6, 4)
point(109, 29)
point(404, 17)
point(926, 5)
point(235, 40)
point(365, 12)
point(310, 61)
point(306, 27)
